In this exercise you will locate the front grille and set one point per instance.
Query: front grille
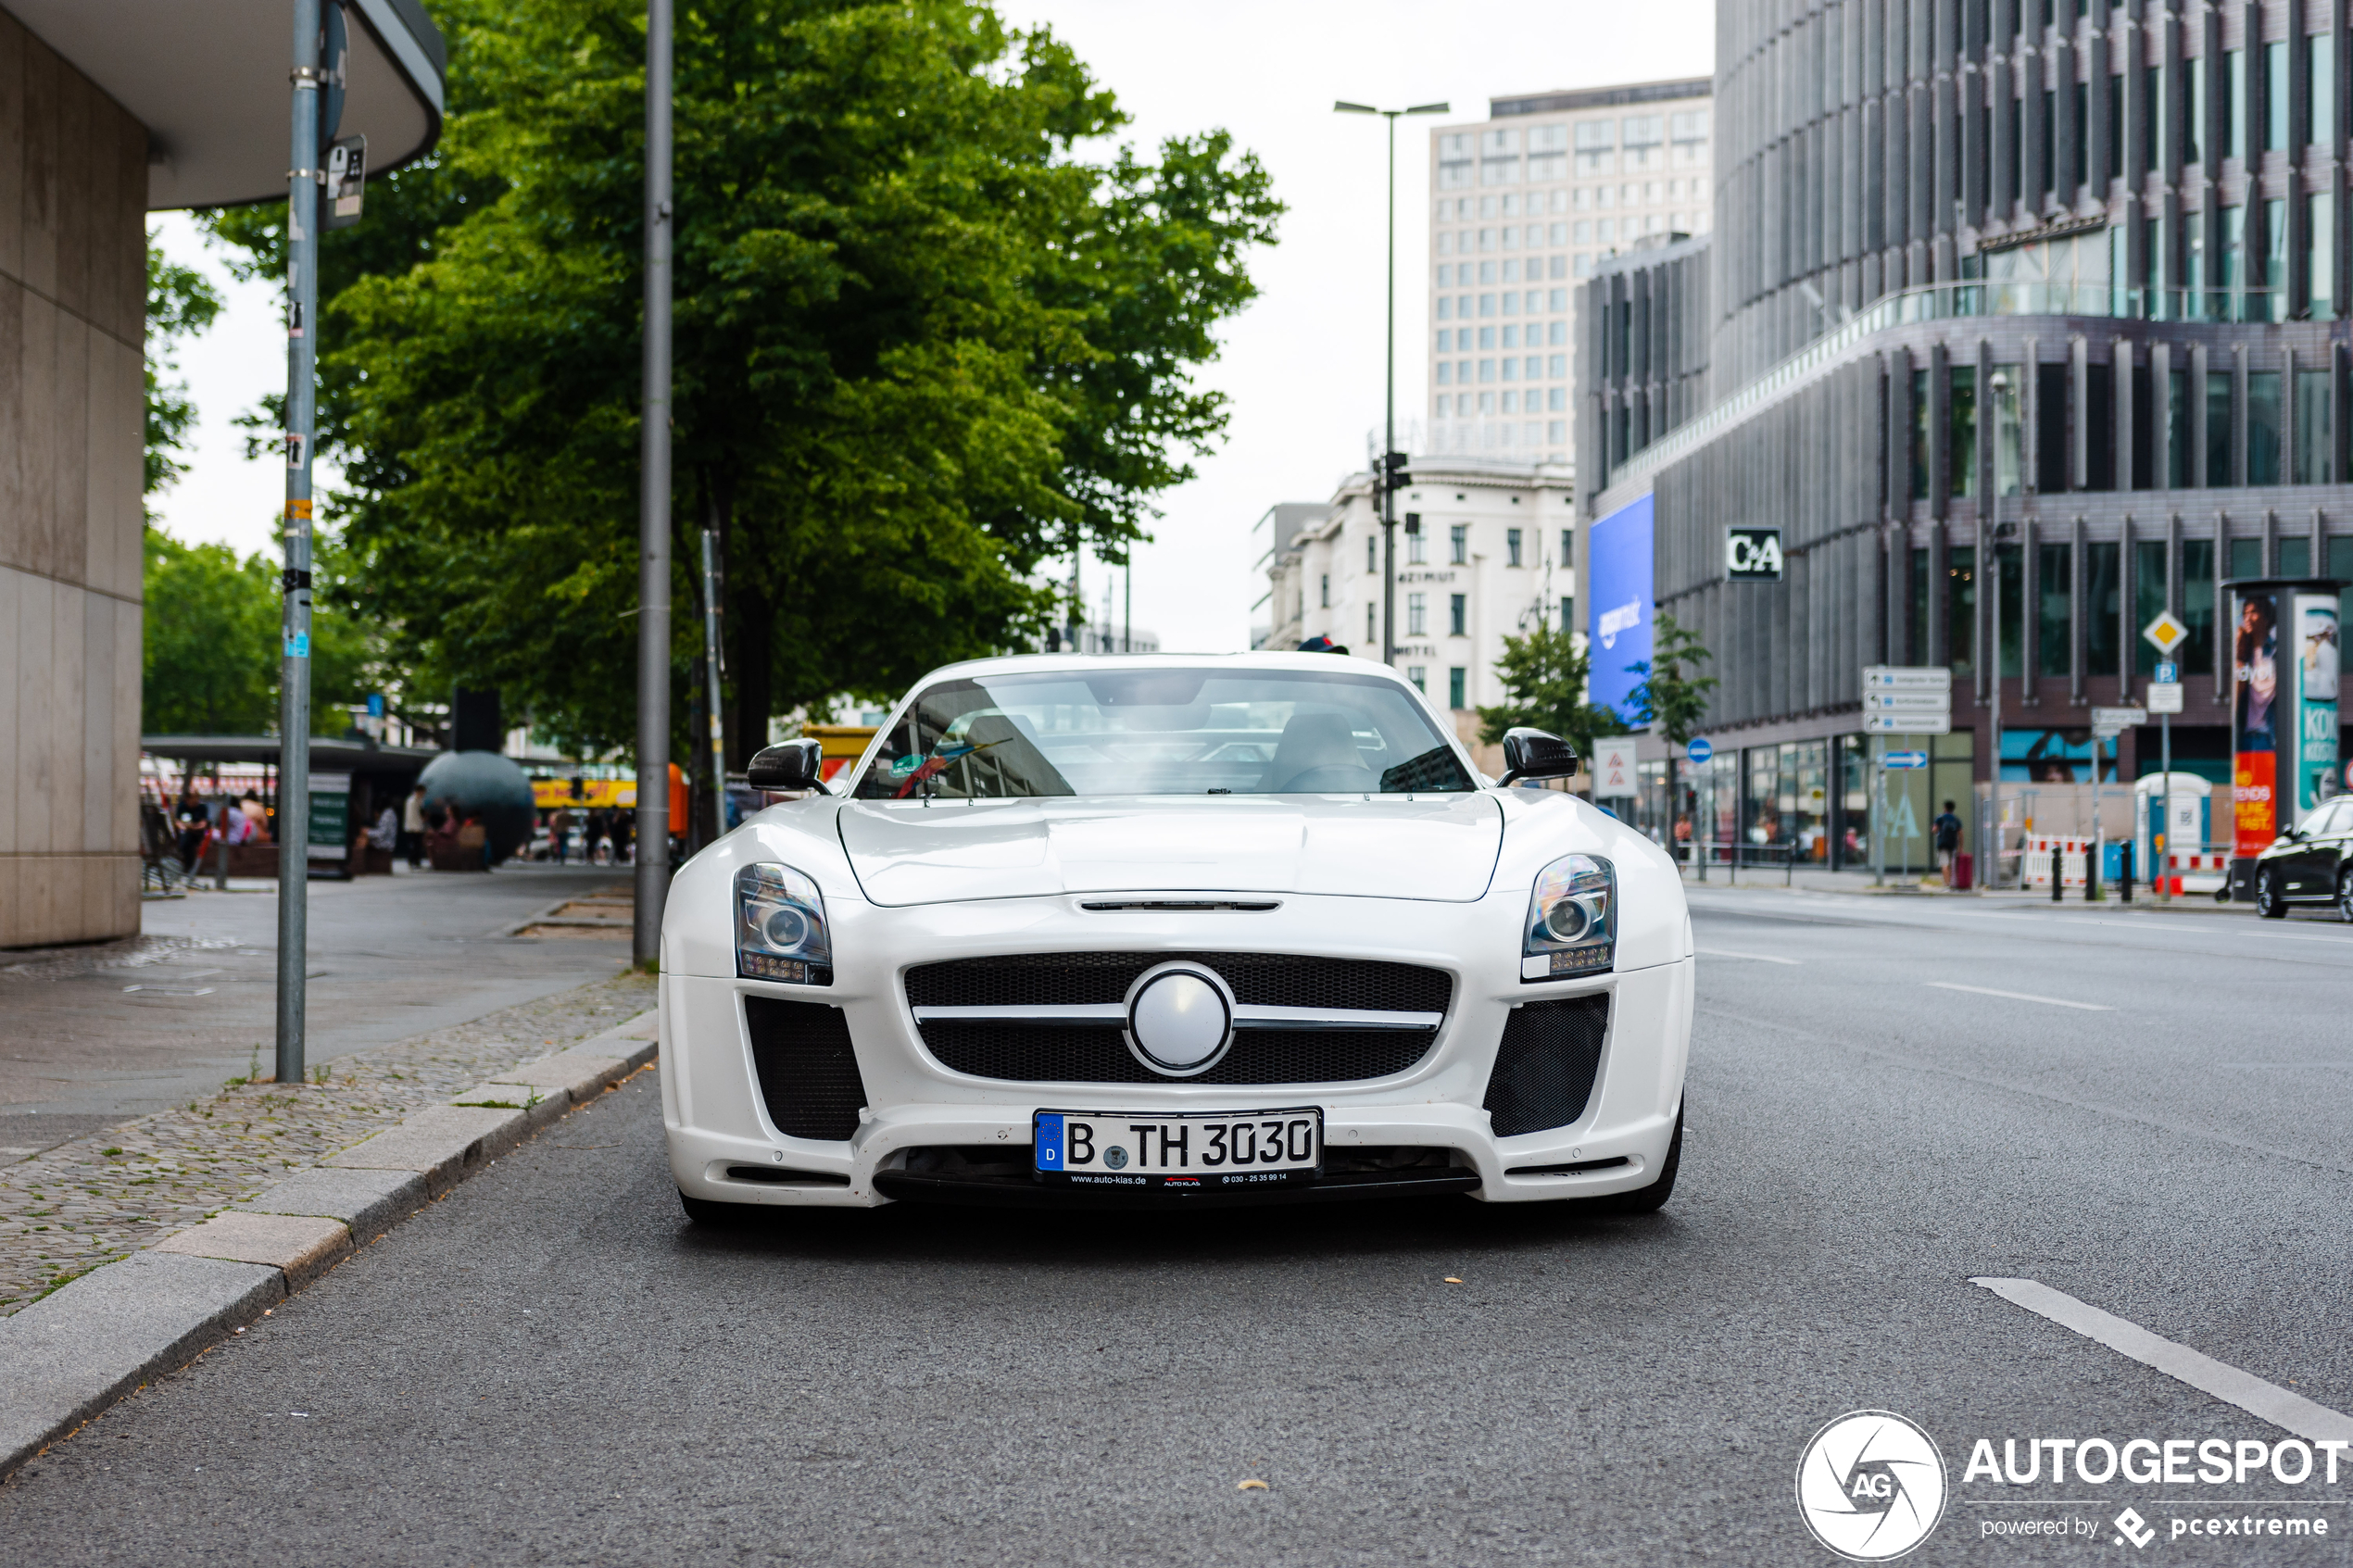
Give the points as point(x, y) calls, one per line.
point(1258, 980)
point(808, 1071)
point(1097, 1053)
point(1544, 1068)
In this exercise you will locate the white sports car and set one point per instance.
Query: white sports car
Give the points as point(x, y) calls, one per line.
point(1173, 932)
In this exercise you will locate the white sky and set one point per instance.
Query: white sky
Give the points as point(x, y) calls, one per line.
point(1302, 365)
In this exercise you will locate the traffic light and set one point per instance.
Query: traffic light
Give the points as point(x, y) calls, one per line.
point(1393, 472)
point(1413, 522)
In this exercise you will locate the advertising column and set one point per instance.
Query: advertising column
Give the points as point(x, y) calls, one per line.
point(2316, 662)
point(2255, 701)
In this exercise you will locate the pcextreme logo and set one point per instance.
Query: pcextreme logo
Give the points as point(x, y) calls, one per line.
point(1871, 1486)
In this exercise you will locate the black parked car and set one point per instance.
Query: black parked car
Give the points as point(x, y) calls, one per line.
point(2309, 864)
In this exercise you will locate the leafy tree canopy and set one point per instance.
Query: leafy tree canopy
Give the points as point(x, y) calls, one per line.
point(1672, 698)
point(922, 345)
point(1545, 678)
point(181, 303)
point(210, 661)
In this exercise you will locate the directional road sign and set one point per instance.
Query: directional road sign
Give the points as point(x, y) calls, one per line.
point(2108, 721)
point(1908, 758)
point(2166, 632)
point(1907, 677)
point(1700, 750)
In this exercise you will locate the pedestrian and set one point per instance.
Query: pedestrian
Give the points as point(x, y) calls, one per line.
point(1948, 842)
point(560, 834)
point(412, 828)
point(386, 836)
point(193, 820)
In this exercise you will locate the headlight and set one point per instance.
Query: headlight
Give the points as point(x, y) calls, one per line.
point(1572, 920)
point(780, 927)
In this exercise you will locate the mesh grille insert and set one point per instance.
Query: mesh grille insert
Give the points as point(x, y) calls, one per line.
point(808, 1071)
point(1544, 1067)
point(1099, 1055)
point(1259, 979)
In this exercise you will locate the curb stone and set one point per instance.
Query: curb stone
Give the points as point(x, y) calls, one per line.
point(66, 1358)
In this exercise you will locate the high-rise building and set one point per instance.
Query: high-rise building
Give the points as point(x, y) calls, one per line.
point(1521, 207)
point(2022, 325)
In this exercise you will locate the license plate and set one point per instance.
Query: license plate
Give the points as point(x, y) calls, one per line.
point(1195, 1151)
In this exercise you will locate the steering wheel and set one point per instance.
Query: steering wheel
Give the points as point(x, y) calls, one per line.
point(1331, 778)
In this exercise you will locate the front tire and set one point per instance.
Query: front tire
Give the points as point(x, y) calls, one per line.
point(2269, 902)
point(1652, 1198)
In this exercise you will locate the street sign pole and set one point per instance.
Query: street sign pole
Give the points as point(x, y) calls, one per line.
point(1879, 811)
point(653, 509)
point(2161, 841)
point(294, 667)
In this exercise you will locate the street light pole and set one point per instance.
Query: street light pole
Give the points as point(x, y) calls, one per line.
point(653, 509)
point(303, 178)
point(1386, 474)
point(2000, 388)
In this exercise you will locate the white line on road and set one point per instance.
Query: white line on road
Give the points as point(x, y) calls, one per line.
point(2249, 1392)
point(1760, 958)
point(2018, 996)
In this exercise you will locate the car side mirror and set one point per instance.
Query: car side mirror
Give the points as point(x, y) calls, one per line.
point(795, 764)
point(1532, 754)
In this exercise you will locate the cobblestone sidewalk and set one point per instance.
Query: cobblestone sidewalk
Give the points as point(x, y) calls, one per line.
point(92, 1202)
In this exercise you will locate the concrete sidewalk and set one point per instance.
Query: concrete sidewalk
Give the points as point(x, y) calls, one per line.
point(1808, 879)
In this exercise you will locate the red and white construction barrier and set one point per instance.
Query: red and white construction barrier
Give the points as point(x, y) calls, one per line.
point(2074, 854)
point(2197, 872)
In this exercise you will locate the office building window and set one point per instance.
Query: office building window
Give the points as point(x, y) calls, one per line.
point(1486, 403)
point(1328, 590)
point(2103, 606)
point(2054, 582)
point(1462, 367)
point(1487, 370)
point(1510, 544)
point(1569, 549)
point(2148, 600)
point(1372, 552)
point(1457, 616)
point(2177, 429)
point(1511, 335)
point(1486, 340)
point(1556, 398)
point(2196, 652)
point(1511, 400)
point(2234, 103)
point(1458, 545)
point(2275, 96)
point(1916, 623)
point(2263, 427)
point(1569, 613)
point(1960, 431)
point(1960, 605)
point(1457, 678)
point(2195, 110)
point(1511, 370)
point(1372, 632)
point(1556, 430)
point(2218, 426)
point(1445, 369)
point(2296, 556)
point(1418, 675)
point(1416, 615)
point(1418, 549)
point(2320, 255)
point(1486, 306)
point(2319, 88)
point(2312, 454)
point(1920, 435)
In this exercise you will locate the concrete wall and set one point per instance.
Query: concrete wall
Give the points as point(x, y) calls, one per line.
point(73, 180)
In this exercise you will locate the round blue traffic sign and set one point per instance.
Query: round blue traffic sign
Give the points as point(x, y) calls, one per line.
point(1700, 750)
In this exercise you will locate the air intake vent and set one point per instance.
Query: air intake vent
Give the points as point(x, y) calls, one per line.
point(808, 1071)
point(1544, 1068)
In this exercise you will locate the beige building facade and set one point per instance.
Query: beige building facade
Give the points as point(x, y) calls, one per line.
point(1522, 205)
point(73, 197)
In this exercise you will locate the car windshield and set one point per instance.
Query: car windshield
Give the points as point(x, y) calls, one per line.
point(1162, 731)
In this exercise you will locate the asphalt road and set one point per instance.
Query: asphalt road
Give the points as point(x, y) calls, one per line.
point(550, 1366)
point(87, 1040)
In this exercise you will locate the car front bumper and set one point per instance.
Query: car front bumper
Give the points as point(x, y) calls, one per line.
point(724, 1148)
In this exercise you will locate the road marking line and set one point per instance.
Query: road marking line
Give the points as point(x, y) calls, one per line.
point(2268, 1401)
point(1760, 958)
point(2018, 996)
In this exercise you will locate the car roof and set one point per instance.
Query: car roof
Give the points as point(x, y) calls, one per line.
point(1051, 663)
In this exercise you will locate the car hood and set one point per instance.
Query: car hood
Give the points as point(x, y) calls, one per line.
point(1440, 848)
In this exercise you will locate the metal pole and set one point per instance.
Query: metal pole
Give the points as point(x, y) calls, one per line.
point(303, 177)
point(1879, 811)
point(2162, 841)
point(1991, 873)
point(1127, 611)
point(653, 509)
point(1388, 427)
point(711, 662)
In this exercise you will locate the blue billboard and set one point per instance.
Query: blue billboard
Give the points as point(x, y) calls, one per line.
point(1618, 599)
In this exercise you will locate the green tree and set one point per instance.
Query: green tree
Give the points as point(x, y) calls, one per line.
point(1545, 678)
point(922, 347)
point(181, 303)
point(210, 658)
point(1672, 697)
